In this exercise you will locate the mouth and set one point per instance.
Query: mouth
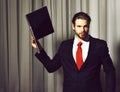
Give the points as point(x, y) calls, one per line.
point(82, 35)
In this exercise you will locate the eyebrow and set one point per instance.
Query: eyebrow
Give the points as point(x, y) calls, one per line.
point(83, 26)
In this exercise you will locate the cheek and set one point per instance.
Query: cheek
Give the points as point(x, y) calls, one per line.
point(86, 30)
point(79, 30)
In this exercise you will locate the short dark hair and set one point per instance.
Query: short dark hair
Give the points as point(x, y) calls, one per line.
point(81, 15)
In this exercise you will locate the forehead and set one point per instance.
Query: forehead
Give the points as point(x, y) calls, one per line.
point(81, 22)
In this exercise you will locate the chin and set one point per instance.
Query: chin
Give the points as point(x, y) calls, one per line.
point(83, 37)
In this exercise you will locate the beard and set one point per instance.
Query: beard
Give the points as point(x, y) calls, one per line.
point(84, 35)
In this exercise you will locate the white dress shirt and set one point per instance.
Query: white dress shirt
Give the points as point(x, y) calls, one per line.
point(84, 46)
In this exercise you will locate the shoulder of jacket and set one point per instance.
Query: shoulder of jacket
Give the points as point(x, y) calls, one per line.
point(67, 41)
point(97, 40)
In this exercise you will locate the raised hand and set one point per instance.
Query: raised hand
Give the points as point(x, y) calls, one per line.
point(35, 44)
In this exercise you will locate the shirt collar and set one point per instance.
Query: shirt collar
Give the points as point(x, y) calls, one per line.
point(77, 40)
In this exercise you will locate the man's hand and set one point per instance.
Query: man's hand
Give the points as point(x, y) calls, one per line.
point(35, 44)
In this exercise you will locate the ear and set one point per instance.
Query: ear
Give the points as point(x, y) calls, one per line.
point(73, 26)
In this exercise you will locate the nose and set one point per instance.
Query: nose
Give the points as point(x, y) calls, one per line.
point(82, 29)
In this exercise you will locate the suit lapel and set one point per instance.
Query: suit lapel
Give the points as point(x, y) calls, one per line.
point(72, 61)
point(90, 51)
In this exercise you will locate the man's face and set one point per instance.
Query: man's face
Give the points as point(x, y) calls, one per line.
point(81, 28)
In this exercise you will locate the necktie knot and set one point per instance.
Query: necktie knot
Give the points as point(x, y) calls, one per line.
point(79, 44)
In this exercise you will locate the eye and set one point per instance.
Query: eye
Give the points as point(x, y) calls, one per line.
point(78, 25)
point(86, 26)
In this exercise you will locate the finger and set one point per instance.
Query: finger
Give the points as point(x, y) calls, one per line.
point(33, 43)
point(32, 39)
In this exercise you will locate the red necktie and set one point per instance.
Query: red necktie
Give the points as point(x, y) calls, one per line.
point(79, 60)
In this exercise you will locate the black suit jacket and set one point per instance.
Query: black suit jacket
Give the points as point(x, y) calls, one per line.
point(87, 79)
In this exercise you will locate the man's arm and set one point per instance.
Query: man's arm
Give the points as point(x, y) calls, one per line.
point(50, 64)
point(109, 69)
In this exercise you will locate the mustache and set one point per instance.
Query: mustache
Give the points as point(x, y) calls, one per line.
point(78, 34)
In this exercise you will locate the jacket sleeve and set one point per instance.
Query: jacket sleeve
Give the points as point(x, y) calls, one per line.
point(50, 64)
point(109, 69)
